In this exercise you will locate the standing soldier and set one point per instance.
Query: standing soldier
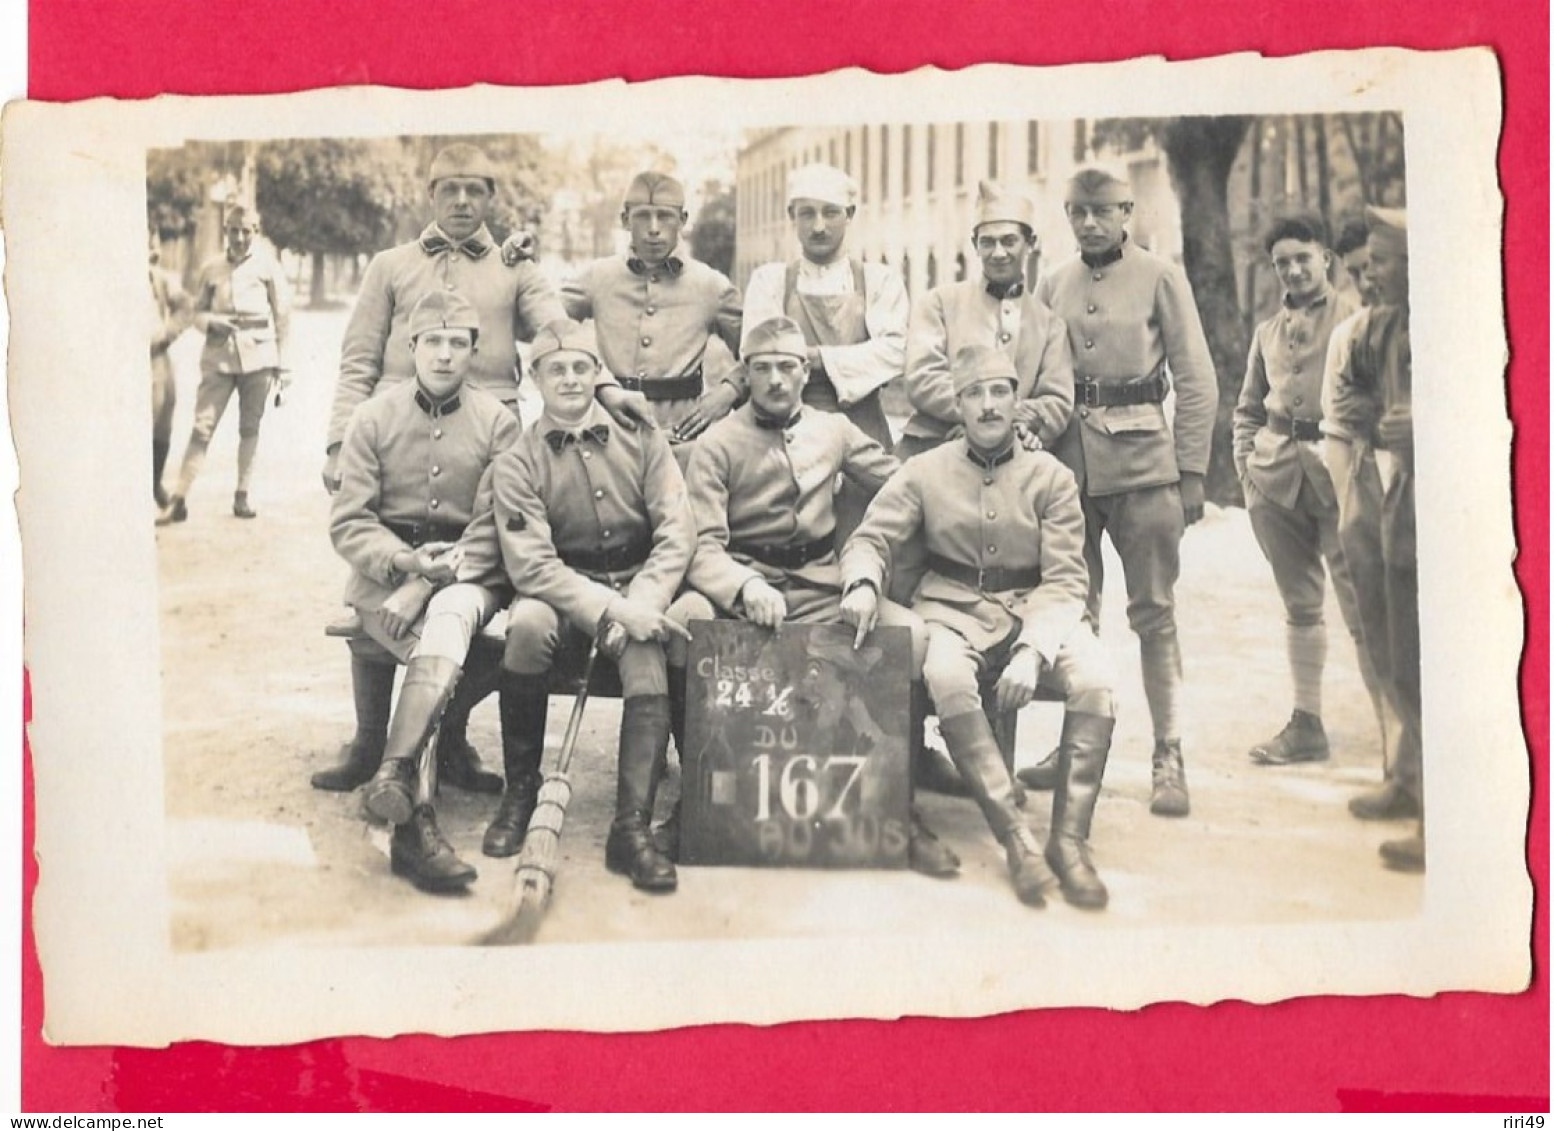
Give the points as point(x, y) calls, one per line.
point(853, 315)
point(1004, 592)
point(1290, 497)
point(454, 252)
point(242, 307)
point(1373, 402)
point(999, 310)
point(1135, 333)
point(595, 533)
point(655, 312)
point(169, 318)
point(762, 488)
point(408, 518)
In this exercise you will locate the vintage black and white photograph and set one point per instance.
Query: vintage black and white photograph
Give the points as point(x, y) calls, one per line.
point(845, 547)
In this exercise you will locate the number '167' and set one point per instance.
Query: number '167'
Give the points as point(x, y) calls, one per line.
point(799, 785)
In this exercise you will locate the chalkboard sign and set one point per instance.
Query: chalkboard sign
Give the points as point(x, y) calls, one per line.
point(797, 747)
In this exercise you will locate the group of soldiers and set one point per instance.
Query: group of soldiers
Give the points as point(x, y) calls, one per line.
point(662, 485)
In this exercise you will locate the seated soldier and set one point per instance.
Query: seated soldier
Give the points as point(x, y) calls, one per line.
point(1004, 592)
point(595, 533)
point(762, 484)
point(413, 462)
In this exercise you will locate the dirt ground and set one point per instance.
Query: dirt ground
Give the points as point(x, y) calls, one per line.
point(255, 698)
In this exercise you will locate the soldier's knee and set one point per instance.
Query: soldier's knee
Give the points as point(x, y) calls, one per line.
point(952, 681)
point(1092, 701)
point(1152, 619)
point(248, 431)
point(533, 629)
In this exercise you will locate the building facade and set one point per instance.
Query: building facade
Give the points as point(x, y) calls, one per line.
point(917, 186)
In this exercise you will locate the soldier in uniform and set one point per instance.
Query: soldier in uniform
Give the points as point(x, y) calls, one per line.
point(1372, 375)
point(454, 252)
point(853, 315)
point(595, 533)
point(243, 308)
point(1135, 334)
point(1004, 592)
point(655, 312)
point(1290, 496)
point(170, 314)
point(414, 485)
point(761, 484)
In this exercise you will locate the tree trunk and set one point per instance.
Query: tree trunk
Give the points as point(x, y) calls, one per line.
point(1324, 172)
point(1201, 152)
point(319, 292)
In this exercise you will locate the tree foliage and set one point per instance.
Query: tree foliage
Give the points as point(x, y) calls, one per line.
point(713, 230)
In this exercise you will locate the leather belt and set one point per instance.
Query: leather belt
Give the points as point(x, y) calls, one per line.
point(1106, 394)
point(794, 556)
point(616, 559)
point(989, 579)
point(418, 534)
point(247, 321)
point(682, 388)
point(1294, 428)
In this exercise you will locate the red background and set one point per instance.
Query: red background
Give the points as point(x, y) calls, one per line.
point(1453, 1052)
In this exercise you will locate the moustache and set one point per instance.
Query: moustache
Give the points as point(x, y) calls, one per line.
point(990, 418)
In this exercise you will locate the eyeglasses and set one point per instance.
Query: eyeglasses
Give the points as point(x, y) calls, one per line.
point(1101, 212)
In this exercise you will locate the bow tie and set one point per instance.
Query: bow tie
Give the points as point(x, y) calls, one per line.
point(1006, 290)
point(776, 423)
point(435, 243)
point(674, 265)
point(599, 434)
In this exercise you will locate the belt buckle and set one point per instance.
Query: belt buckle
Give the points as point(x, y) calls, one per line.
point(981, 575)
point(1090, 394)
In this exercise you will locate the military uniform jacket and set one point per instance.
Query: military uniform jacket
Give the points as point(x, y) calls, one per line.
point(253, 292)
point(409, 466)
point(653, 324)
point(773, 487)
point(1019, 511)
point(1129, 319)
point(1371, 373)
point(512, 302)
point(589, 497)
point(947, 318)
point(1284, 380)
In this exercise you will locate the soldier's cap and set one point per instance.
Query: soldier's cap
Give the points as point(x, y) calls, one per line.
point(654, 188)
point(977, 363)
point(997, 204)
point(240, 214)
point(563, 334)
point(838, 651)
point(776, 335)
point(825, 183)
point(1098, 184)
point(462, 160)
point(443, 310)
point(1388, 226)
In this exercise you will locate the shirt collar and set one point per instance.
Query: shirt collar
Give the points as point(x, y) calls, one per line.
point(1106, 258)
point(987, 463)
point(674, 265)
point(435, 408)
point(773, 423)
point(1003, 291)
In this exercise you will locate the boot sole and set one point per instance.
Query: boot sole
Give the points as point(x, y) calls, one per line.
point(657, 886)
point(501, 851)
point(389, 803)
point(434, 886)
point(338, 785)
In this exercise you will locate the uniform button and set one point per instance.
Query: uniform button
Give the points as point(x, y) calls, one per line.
point(436, 471)
point(448, 286)
point(1295, 369)
point(650, 310)
point(587, 454)
point(1298, 399)
point(641, 374)
point(647, 341)
point(1084, 412)
point(437, 433)
point(652, 278)
point(992, 514)
point(1004, 337)
point(1096, 276)
point(433, 504)
point(605, 533)
point(988, 481)
point(1089, 343)
point(599, 494)
point(1090, 309)
point(992, 549)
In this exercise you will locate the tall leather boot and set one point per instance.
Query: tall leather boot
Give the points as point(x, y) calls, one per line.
point(931, 767)
point(372, 687)
point(428, 685)
point(644, 743)
point(419, 852)
point(975, 751)
point(159, 450)
point(458, 763)
point(1160, 656)
point(667, 835)
point(525, 701)
point(1086, 741)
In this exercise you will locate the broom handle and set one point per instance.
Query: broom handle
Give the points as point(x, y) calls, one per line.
point(569, 740)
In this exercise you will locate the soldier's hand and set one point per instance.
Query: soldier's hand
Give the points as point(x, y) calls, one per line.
point(1027, 438)
point(630, 410)
point(861, 609)
point(332, 471)
point(1192, 497)
point(713, 406)
point(438, 562)
point(1017, 686)
point(643, 622)
point(520, 247)
point(405, 606)
point(763, 604)
point(219, 326)
point(1396, 429)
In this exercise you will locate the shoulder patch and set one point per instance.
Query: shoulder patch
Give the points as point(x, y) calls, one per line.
point(516, 523)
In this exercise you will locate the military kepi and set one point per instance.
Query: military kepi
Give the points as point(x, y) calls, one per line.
point(974, 364)
point(462, 160)
point(777, 335)
point(655, 188)
point(563, 335)
point(443, 310)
